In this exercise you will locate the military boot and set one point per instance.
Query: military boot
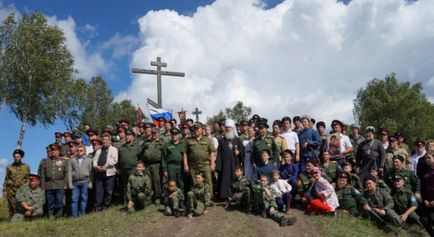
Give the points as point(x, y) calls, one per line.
point(50, 213)
point(59, 213)
point(167, 211)
point(286, 221)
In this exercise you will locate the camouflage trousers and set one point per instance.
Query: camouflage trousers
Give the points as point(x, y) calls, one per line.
point(194, 204)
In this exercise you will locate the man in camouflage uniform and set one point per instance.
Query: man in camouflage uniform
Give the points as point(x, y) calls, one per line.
point(320, 127)
point(54, 175)
point(405, 202)
point(200, 156)
point(394, 150)
point(30, 200)
point(378, 205)
point(411, 181)
point(348, 196)
point(64, 151)
point(264, 142)
point(172, 159)
point(16, 176)
point(129, 153)
point(139, 192)
point(152, 154)
point(356, 139)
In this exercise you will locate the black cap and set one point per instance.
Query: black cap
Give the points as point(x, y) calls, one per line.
point(129, 132)
point(370, 177)
point(18, 151)
point(319, 124)
point(198, 124)
point(262, 123)
point(419, 142)
point(399, 157)
point(397, 177)
point(344, 174)
point(58, 134)
point(174, 131)
point(278, 123)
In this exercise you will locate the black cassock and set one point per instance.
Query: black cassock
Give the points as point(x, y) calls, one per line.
point(226, 162)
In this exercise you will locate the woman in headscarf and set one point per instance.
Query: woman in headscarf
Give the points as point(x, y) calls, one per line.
point(321, 195)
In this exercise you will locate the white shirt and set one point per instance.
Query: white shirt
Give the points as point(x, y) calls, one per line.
point(345, 142)
point(414, 159)
point(280, 187)
point(291, 139)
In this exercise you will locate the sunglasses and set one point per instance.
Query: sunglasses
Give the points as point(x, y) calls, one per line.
point(81, 150)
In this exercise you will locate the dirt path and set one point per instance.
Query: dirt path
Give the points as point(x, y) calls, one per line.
point(219, 222)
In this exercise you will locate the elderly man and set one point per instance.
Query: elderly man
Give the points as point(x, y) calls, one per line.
point(104, 164)
point(230, 153)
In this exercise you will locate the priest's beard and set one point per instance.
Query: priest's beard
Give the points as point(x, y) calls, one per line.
point(229, 135)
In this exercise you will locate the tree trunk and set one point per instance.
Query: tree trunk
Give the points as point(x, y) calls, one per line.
point(22, 132)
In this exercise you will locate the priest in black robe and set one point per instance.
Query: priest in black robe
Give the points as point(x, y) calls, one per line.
point(230, 153)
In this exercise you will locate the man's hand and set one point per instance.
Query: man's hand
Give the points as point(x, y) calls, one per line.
point(186, 169)
point(366, 207)
point(28, 213)
point(90, 186)
point(70, 186)
point(237, 152)
point(403, 217)
point(130, 204)
point(165, 173)
point(212, 166)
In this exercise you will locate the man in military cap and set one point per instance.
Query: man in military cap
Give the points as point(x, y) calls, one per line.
point(30, 200)
point(320, 128)
point(411, 181)
point(171, 163)
point(264, 142)
point(129, 153)
point(348, 196)
point(370, 154)
point(200, 156)
point(405, 203)
point(342, 143)
point(54, 175)
point(377, 204)
point(58, 138)
point(152, 154)
point(16, 176)
point(64, 150)
point(401, 142)
point(394, 150)
point(355, 139)
point(166, 135)
point(419, 145)
point(124, 123)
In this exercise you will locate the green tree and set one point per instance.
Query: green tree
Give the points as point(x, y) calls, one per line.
point(397, 106)
point(216, 118)
point(239, 112)
point(36, 69)
point(123, 110)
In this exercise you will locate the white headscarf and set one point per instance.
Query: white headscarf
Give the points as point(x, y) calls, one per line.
point(231, 123)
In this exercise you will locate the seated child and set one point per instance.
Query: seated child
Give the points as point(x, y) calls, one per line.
point(354, 179)
point(264, 167)
point(240, 190)
point(173, 199)
point(30, 200)
point(268, 205)
point(199, 197)
point(380, 182)
point(289, 170)
point(282, 190)
point(139, 191)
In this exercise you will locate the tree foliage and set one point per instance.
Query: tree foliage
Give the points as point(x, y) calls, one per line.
point(216, 118)
point(36, 70)
point(96, 106)
point(397, 106)
point(239, 112)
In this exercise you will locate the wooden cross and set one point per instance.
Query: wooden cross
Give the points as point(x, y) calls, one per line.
point(197, 112)
point(159, 73)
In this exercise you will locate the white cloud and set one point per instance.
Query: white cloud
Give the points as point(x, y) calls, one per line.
point(300, 57)
point(88, 64)
point(121, 45)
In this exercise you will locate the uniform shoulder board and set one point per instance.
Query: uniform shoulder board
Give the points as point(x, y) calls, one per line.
point(413, 199)
point(357, 192)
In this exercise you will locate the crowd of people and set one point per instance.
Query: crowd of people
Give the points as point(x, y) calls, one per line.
point(184, 169)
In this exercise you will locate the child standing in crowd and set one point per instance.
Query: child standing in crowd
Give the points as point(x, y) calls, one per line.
point(139, 190)
point(264, 168)
point(199, 197)
point(289, 170)
point(282, 190)
point(354, 179)
point(173, 199)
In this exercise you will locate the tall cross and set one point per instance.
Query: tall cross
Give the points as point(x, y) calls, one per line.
point(159, 73)
point(196, 112)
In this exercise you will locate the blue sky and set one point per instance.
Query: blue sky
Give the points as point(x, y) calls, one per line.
point(302, 56)
point(97, 22)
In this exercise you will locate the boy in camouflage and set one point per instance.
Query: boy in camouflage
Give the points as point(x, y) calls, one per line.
point(199, 197)
point(173, 199)
point(240, 190)
point(139, 190)
point(269, 206)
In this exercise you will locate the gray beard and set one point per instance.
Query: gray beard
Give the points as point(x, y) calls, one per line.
point(229, 136)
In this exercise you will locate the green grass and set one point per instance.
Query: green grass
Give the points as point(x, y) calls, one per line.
point(345, 225)
point(4, 212)
point(112, 222)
